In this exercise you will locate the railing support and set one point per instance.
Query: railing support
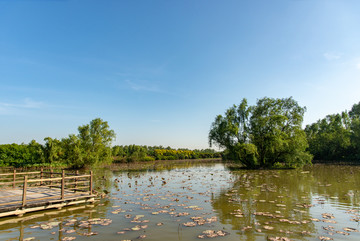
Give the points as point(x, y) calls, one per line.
point(51, 176)
point(14, 178)
point(63, 185)
point(76, 180)
point(24, 191)
point(41, 176)
point(91, 183)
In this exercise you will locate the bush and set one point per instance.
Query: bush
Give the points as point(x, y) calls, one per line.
point(148, 159)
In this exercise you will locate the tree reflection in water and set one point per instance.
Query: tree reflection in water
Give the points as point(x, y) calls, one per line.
point(270, 203)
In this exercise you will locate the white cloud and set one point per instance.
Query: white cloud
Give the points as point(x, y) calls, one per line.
point(142, 86)
point(29, 103)
point(332, 56)
point(26, 104)
point(8, 108)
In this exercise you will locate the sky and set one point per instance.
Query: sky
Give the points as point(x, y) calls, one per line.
point(160, 71)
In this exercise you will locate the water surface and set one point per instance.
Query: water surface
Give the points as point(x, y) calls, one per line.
point(181, 201)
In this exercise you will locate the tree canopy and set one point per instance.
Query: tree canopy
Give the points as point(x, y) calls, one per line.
point(263, 135)
point(336, 137)
point(91, 146)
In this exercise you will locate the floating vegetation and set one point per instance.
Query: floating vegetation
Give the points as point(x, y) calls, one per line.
point(278, 239)
point(351, 229)
point(268, 227)
point(189, 224)
point(68, 238)
point(28, 239)
point(267, 204)
point(324, 238)
point(212, 234)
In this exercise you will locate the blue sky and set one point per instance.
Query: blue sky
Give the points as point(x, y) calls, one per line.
point(160, 71)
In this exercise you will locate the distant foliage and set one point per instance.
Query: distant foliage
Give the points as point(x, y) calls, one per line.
point(21, 155)
point(336, 137)
point(91, 146)
point(134, 153)
point(263, 135)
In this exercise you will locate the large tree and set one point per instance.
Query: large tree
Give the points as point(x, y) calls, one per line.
point(330, 138)
point(53, 150)
point(96, 139)
point(336, 137)
point(91, 146)
point(260, 136)
point(355, 131)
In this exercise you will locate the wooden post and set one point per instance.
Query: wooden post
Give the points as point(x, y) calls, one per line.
point(14, 178)
point(51, 176)
point(24, 191)
point(41, 176)
point(63, 185)
point(76, 179)
point(91, 183)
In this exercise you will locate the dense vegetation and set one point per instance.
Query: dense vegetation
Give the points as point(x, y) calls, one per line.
point(336, 137)
point(265, 135)
point(262, 136)
point(91, 146)
point(133, 153)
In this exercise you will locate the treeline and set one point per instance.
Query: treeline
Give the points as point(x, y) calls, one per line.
point(91, 146)
point(21, 155)
point(336, 137)
point(133, 153)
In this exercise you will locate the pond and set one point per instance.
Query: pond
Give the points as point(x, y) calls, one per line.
point(195, 200)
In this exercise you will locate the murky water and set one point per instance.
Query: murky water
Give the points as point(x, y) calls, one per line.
point(183, 201)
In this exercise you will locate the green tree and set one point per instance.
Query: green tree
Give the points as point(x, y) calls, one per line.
point(354, 113)
point(53, 150)
point(36, 153)
point(355, 131)
point(232, 128)
point(330, 138)
point(96, 139)
point(262, 135)
point(73, 152)
point(277, 133)
point(21, 155)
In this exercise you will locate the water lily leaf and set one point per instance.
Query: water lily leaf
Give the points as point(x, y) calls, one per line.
point(28, 239)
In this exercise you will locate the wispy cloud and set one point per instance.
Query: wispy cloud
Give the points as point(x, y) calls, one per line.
point(142, 86)
point(26, 104)
point(332, 56)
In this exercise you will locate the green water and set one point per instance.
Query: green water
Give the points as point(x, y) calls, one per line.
point(319, 201)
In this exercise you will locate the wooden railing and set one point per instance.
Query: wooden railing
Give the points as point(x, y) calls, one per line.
point(69, 186)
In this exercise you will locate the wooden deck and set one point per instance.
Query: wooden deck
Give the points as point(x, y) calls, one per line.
point(40, 192)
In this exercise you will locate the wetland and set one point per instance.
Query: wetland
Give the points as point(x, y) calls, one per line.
point(192, 200)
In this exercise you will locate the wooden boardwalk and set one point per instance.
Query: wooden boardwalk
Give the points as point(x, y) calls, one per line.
point(40, 192)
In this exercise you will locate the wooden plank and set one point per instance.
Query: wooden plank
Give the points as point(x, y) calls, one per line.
point(78, 182)
point(46, 179)
point(8, 183)
point(20, 212)
point(39, 194)
point(58, 178)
